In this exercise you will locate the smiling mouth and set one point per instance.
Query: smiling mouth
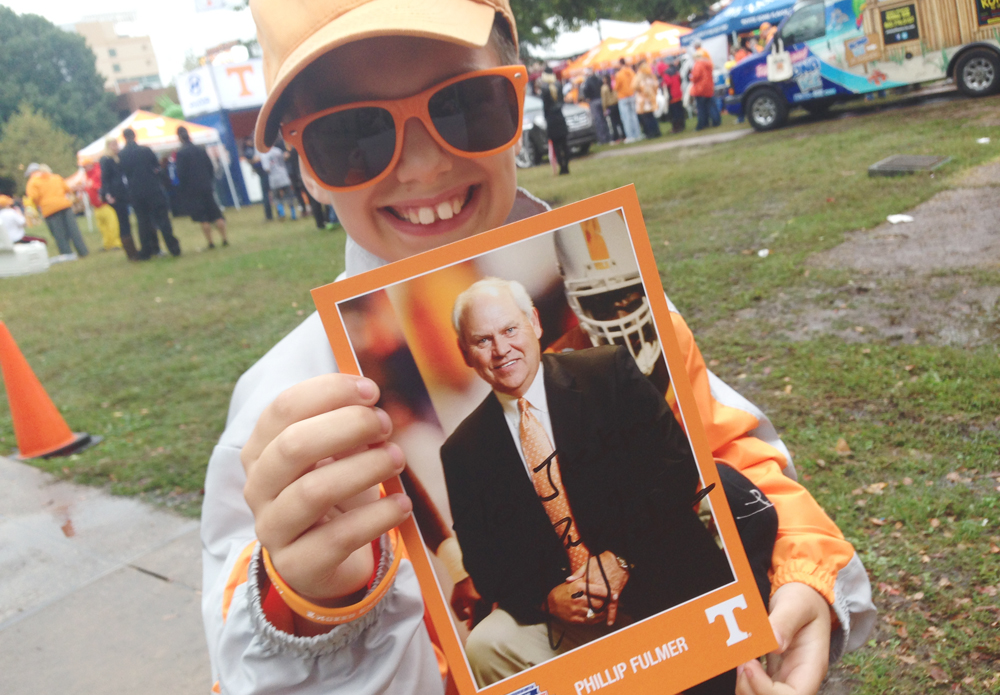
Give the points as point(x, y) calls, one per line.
point(429, 214)
point(503, 366)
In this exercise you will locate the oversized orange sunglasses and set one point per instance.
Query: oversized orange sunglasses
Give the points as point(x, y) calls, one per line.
point(347, 147)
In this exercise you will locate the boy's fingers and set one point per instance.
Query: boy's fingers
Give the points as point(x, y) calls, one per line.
point(316, 558)
point(752, 680)
point(299, 506)
point(312, 397)
point(302, 444)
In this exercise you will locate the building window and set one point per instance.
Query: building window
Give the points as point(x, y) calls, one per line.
point(112, 52)
point(116, 67)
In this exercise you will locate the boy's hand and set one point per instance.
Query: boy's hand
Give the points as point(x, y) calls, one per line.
point(313, 464)
point(800, 618)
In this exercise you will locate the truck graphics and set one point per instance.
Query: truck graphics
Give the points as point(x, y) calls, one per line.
point(841, 49)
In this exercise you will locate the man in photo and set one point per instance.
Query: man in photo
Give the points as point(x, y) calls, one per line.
point(572, 488)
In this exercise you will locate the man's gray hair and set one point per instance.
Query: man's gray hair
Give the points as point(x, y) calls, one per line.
point(492, 287)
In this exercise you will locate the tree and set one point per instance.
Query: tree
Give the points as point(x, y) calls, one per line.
point(540, 21)
point(55, 72)
point(29, 137)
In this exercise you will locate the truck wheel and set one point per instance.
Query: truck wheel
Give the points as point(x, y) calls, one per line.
point(978, 73)
point(527, 157)
point(766, 110)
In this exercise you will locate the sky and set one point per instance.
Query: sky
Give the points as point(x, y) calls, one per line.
point(174, 26)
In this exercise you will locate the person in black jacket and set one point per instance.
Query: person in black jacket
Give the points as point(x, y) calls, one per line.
point(550, 91)
point(141, 170)
point(196, 190)
point(115, 193)
point(629, 543)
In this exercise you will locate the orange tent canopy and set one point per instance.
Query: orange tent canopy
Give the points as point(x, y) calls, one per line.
point(598, 57)
point(661, 39)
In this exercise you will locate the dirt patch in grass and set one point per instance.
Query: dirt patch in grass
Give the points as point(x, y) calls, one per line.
point(949, 310)
point(921, 281)
point(955, 229)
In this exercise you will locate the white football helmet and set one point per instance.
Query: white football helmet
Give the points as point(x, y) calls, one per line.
point(604, 289)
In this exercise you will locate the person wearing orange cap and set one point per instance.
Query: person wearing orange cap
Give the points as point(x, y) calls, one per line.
point(301, 589)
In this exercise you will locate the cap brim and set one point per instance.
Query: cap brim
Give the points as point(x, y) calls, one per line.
point(456, 21)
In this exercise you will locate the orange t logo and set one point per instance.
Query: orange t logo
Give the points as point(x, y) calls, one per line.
point(596, 246)
point(242, 71)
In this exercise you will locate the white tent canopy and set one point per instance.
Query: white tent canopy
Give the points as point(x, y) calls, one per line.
point(159, 133)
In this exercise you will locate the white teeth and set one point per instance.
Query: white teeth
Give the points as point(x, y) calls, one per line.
point(429, 215)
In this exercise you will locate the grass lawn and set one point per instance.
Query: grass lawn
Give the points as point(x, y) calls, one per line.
point(147, 354)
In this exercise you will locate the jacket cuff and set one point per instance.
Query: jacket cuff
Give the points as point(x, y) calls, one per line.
point(321, 645)
point(849, 594)
point(808, 573)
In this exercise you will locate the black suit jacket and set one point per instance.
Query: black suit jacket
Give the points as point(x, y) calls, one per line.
point(195, 171)
point(627, 469)
point(142, 169)
point(112, 181)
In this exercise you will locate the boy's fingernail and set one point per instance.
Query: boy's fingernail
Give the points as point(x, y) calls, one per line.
point(383, 417)
point(739, 670)
point(404, 502)
point(396, 454)
point(366, 388)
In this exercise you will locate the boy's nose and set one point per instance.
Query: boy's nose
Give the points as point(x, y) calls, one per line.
point(422, 159)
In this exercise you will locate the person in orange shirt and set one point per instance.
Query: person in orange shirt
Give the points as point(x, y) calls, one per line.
point(48, 192)
point(703, 90)
point(626, 101)
point(645, 85)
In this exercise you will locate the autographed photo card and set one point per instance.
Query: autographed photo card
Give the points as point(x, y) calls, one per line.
point(570, 530)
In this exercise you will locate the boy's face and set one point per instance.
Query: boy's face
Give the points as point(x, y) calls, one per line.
point(387, 219)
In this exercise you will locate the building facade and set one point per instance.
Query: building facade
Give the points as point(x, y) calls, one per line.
point(127, 63)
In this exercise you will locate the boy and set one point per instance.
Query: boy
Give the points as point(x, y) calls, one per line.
point(311, 443)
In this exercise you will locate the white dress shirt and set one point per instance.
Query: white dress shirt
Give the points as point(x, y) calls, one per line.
point(539, 406)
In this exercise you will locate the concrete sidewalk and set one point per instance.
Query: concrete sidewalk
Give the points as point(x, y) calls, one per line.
point(98, 594)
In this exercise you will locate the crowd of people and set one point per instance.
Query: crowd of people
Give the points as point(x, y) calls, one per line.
point(628, 102)
point(133, 180)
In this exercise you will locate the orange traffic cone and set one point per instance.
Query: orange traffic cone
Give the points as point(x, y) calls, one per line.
point(40, 430)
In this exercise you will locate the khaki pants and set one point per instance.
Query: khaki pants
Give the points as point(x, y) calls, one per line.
point(499, 646)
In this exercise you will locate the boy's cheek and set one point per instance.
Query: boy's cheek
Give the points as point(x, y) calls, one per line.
point(315, 190)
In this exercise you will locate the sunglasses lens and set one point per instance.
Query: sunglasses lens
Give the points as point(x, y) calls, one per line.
point(350, 147)
point(476, 115)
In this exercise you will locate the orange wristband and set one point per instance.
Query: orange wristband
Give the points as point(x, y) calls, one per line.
point(333, 616)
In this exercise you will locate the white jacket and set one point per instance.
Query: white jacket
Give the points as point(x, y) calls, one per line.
point(387, 651)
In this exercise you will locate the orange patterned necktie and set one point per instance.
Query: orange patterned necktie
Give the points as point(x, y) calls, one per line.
point(544, 465)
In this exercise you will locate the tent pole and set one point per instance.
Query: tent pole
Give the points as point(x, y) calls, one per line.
point(229, 177)
point(229, 180)
point(88, 212)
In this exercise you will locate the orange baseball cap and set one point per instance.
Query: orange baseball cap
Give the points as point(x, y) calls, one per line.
point(294, 34)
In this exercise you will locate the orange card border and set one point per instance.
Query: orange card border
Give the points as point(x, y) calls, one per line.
point(554, 676)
